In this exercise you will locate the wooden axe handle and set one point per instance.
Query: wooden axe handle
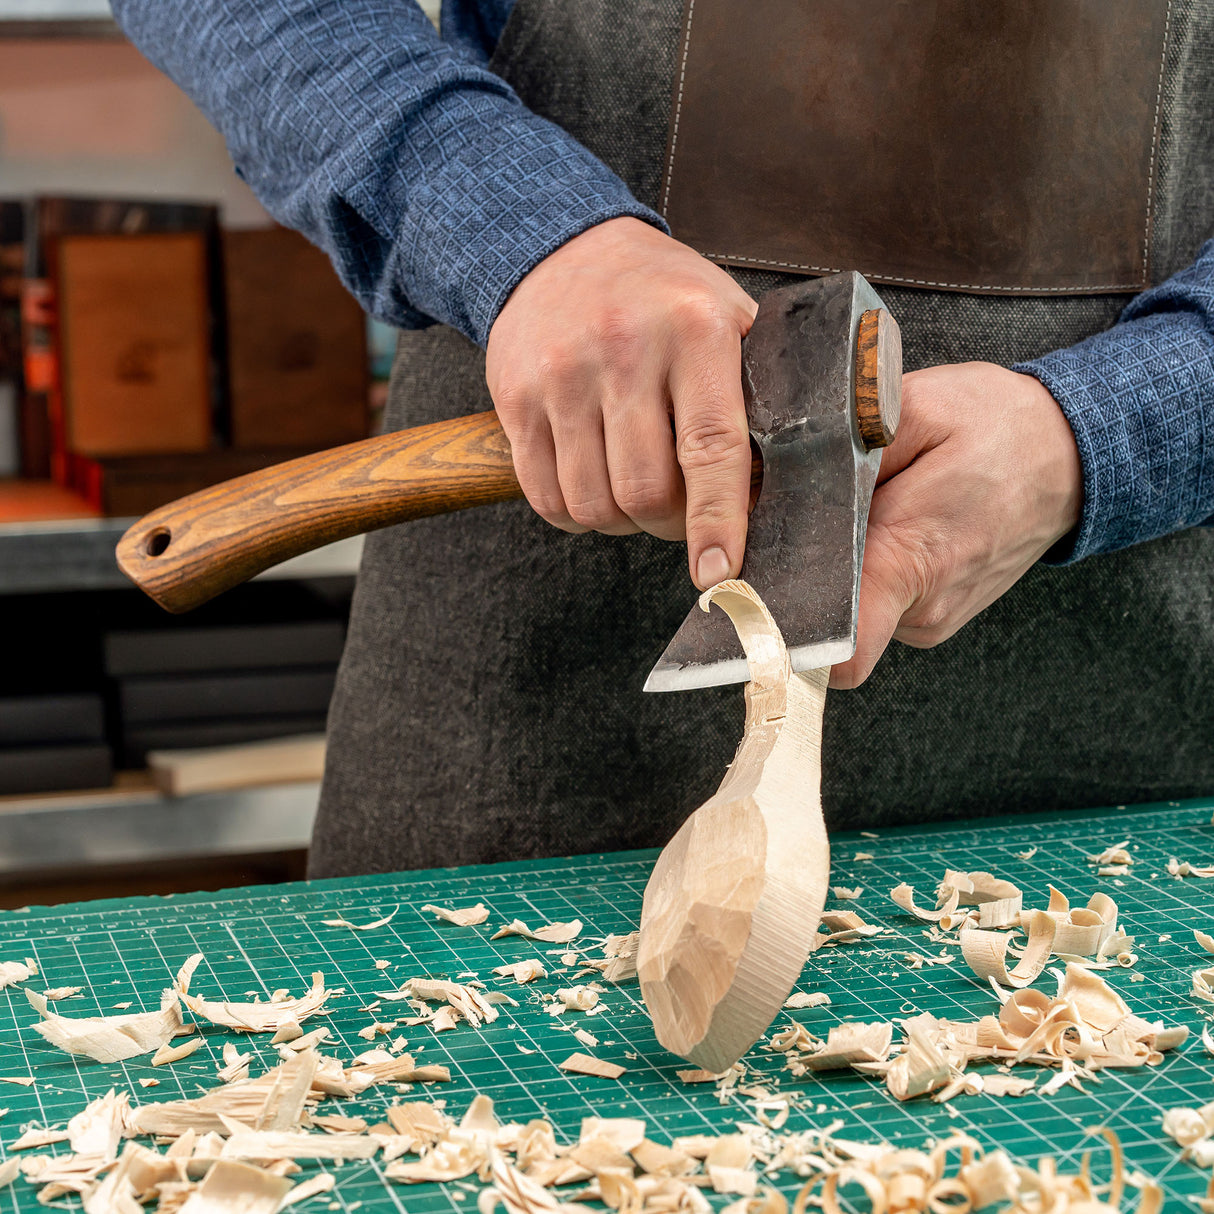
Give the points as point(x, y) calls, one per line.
point(193, 549)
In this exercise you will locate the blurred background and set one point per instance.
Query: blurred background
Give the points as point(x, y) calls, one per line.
point(158, 333)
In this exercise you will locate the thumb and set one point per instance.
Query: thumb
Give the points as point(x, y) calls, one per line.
point(887, 591)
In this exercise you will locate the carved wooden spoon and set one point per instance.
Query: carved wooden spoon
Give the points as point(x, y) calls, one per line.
point(732, 907)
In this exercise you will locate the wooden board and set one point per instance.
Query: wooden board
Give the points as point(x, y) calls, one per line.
point(296, 345)
point(134, 328)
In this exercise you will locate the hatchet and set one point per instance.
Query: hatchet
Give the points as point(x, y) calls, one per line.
point(821, 371)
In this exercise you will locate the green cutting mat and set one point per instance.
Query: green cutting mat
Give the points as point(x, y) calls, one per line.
point(259, 939)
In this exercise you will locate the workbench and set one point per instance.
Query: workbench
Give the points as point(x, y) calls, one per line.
point(258, 939)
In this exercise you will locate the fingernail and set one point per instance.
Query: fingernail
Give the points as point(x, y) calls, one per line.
point(712, 567)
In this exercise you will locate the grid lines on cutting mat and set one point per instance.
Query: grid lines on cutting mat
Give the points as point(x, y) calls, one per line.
point(259, 939)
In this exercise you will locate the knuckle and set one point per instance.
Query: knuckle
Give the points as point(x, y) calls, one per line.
point(712, 440)
point(618, 332)
point(645, 497)
point(697, 311)
point(512, 396)
point(592, 512)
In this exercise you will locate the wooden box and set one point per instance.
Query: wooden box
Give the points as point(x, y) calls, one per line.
point(134, 332)
point(296, 345)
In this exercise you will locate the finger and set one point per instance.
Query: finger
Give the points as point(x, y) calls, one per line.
point(888, 588)
point(713, 448)
point(646, 480)
point(534, 455)
point(920, 427)
point(581, 468)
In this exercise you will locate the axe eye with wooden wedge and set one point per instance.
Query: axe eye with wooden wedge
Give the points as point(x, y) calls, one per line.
point(821, 376)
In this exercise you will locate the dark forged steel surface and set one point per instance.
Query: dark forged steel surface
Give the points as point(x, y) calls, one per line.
point(806, 536)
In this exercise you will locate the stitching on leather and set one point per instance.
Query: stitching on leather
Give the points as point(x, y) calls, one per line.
point(678, 105)
point(924, 282)
point(878, 276)
point(1163, 60)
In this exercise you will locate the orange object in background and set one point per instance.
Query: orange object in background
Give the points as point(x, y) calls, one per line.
point(134, 334)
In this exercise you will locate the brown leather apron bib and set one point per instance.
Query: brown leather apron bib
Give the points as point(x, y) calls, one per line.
point(489, 701)
point(1006, 146)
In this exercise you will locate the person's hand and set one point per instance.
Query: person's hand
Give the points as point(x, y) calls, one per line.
point(604, 344)
point(982, 479)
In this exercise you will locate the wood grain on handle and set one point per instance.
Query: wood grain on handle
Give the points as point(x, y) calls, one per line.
point(191, 550)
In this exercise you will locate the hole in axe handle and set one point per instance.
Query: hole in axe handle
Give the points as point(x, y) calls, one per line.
point(158, 541)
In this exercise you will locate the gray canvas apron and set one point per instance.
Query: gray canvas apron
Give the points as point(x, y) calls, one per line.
point(489, 703)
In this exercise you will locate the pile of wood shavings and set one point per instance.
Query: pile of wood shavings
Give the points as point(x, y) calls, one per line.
point(613, 1161)
point(974, 905)
point(1083, 1029)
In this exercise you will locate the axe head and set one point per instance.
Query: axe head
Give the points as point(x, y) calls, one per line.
point(812, 346)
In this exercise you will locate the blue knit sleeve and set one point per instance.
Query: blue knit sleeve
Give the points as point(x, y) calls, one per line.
point(421, 174)
point(1140, 400)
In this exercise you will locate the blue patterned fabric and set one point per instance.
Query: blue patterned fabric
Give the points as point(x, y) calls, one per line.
point(1140, 400)
point(416, 169)
point(434, 191)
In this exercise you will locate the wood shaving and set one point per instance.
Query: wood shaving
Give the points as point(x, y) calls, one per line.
point(236, 1187)
point(35, 1136)
point(698, 1075)
point(235, 1064)
point(12, 972)
point(587, 1039)
point(469, 916)
point(266, 1017)
point(55, 993)
point(463, 1003)
point(110, 1038)
point(265, 1146)
point(174, 1053)
point(985, 952)
point(1082, 931)
point(25, 1081)
point(904, 896)
point(584, 1064)
point(360, 927)
point(149, 1083)
point(1087, 1023)
point(845, 1045)
point(322, 1182)
point(1203, 985)
point(1182, 868)
point(307, 1041)
point(845, 893)
point(1026, 855)
point(522, 971)
point(576, 999)
point(1116, 854)
point(844, 927)
point(552, 933)
point(804, 999)
point(9, 1170)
